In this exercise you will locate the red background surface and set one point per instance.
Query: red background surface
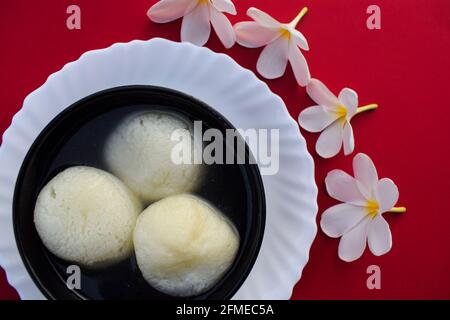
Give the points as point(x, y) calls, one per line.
point(404, 67)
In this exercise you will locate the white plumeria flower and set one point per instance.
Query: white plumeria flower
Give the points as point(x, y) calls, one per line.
point(282, 43)
point(359, 219)
point(198, 15)
point(332, 116)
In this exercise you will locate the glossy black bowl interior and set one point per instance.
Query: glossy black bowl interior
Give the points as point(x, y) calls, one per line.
point(75, 137)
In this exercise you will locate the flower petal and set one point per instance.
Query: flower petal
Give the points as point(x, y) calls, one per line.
point(223, 27)
point(339, 219)
point(263, 18)
point(316, 118)
point(386, 194)
point(252, 35)
point(298, 64)
point(273, 59)
point(366, 174)
point(224, 6)
point(168, 10)
point(379, 237)
point(298, 37)
point(353, 243)
point(321, 95)
point(196, 27)
point(349, 98)
point(330, 140)
point(348, 139)
point(342, 186)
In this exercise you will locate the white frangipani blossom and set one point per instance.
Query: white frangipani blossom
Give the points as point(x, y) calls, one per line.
point(331, 116)
point(198, 16)
point(359, 219)
point(282, 42)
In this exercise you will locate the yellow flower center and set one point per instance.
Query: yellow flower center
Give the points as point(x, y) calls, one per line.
point(372, 207)
point(285, 33)
point(203, 1)
point(341, 111)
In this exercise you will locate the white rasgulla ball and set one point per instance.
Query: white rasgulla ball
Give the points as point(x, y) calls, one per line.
point(87, 216)
point(139, 153)
point(183, 245)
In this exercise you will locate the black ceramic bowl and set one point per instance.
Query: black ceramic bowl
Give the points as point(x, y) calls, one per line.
point(75, 137)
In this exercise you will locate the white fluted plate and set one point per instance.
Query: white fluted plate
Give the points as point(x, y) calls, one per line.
point(219, 81)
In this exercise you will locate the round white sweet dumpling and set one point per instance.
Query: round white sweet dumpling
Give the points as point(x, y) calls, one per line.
point(139, 153)
point(87, 216)
point(183, 245)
